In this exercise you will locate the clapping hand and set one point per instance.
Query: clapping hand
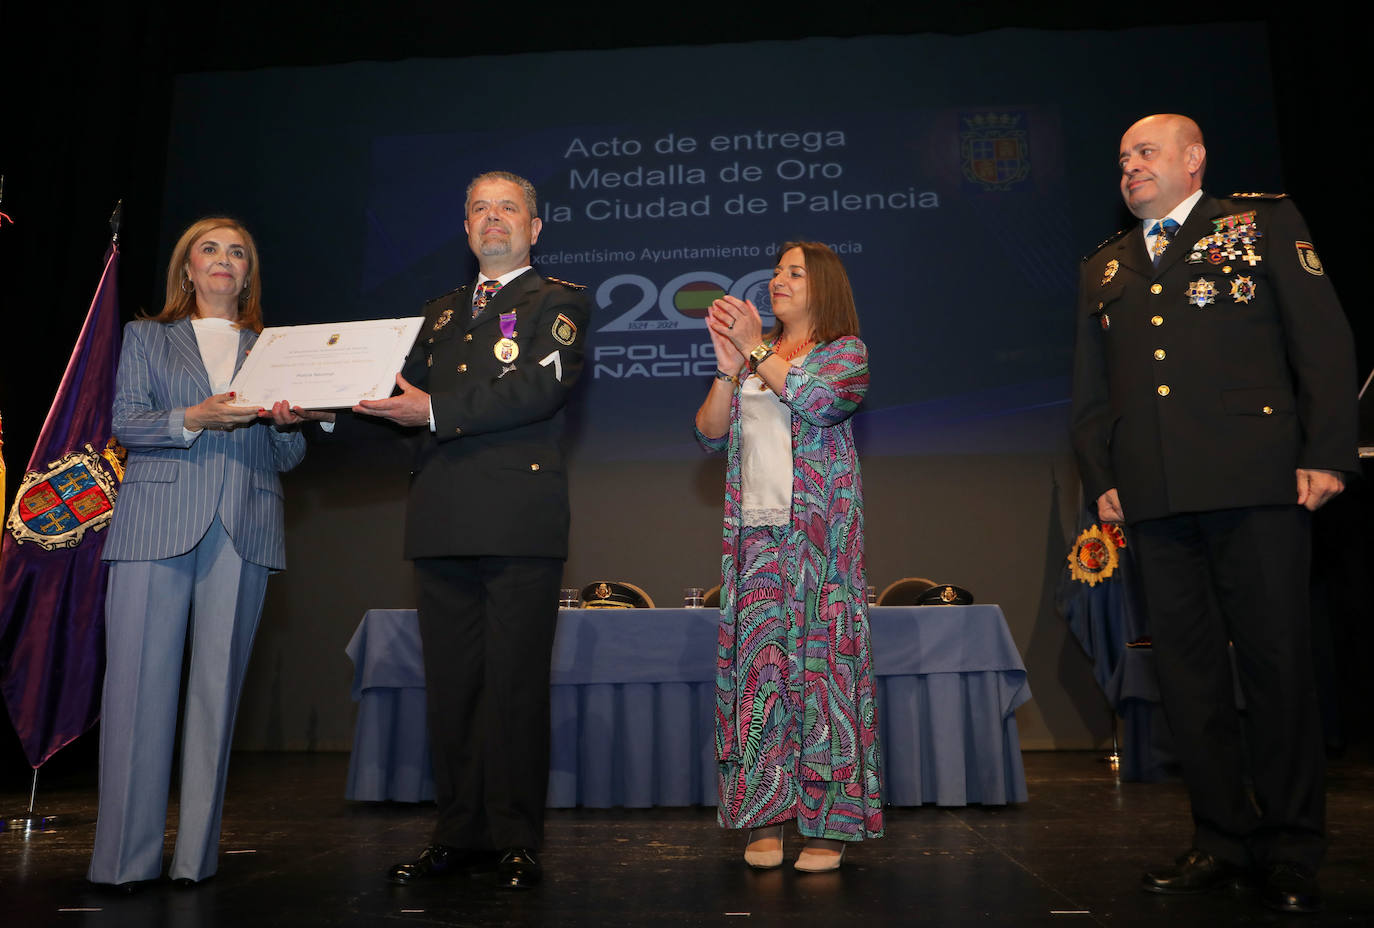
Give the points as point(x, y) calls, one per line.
point(738, 323)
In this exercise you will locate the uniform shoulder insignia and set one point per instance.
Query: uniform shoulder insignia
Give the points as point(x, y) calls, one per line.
point(1107, 241)
point(568, 284)
point(1258, 196)
point(444, 296)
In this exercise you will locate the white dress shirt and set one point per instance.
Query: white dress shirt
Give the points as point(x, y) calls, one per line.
point(218, 340)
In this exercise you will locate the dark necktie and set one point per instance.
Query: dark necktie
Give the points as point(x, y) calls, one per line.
point(1164, 234)
point(485, 291)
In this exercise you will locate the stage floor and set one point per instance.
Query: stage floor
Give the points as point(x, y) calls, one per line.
point(295, 853)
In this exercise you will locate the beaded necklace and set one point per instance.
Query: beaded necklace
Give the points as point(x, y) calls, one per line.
point(799, 349)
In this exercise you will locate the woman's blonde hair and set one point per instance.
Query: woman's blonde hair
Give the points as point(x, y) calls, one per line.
point(181, 302)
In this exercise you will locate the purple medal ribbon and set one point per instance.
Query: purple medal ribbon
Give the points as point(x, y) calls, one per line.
point(507, 324)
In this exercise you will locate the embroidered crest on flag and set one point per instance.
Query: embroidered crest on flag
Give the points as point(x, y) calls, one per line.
point(56, 507)
point(1093, 558)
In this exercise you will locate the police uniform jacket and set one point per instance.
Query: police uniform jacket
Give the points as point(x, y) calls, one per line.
point(490, 480)
point(1204, 383)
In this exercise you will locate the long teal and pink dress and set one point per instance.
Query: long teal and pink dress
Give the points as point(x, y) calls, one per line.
point(796, 721)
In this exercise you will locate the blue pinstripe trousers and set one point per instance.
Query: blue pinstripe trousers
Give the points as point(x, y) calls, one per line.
point(149, 607)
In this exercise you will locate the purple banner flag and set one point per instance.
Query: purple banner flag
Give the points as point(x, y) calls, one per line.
point(52, 581)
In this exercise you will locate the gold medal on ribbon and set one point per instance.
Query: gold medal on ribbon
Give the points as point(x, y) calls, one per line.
point(506, 350)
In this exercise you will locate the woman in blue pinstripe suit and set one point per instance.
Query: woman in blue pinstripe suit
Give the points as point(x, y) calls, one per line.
point(197, 528)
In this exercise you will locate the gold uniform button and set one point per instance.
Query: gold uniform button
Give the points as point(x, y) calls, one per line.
point(1159, 354)
point(1156, 320)
point(1268, 410)
point(1156, 288)
point(431, 339)
point(429, 361)
point(462, 368)
point(534, 467)
point(457, 431)
point(467, 337)
point(1100, 305)
point(1226, 269)
point(1163, 389)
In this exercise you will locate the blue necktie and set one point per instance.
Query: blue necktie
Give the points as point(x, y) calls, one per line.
point(1164, 234)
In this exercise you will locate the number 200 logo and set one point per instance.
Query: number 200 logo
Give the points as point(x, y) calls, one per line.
point(683, 301)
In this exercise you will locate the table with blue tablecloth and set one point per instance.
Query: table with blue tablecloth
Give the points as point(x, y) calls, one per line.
point(632, 697)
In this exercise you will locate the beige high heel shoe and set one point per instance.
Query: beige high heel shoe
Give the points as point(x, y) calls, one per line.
point(819, 856)
point(764, 850)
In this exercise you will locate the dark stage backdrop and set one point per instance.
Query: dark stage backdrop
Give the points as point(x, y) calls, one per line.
point(960, 178)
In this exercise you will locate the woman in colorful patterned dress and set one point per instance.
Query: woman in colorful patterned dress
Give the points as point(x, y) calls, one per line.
point(796, 723)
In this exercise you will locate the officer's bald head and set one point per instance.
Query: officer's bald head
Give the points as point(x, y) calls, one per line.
point(1162, 160)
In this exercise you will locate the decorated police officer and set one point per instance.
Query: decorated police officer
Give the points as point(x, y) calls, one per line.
point(1214, 408)
point(487, 528)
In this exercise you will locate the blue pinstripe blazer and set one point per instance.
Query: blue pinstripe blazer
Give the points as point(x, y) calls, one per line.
point(173, 488)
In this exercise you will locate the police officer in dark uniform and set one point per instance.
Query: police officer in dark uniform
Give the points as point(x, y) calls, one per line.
point(487, 528)
point(1214, 407)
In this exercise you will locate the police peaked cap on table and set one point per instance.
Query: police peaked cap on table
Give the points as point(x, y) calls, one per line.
point(945, 594)
point(608, 594)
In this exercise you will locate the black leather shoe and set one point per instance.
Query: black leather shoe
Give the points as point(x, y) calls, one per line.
point(438, 860)
point(185, 882)
point(1290, 888)
point(123, 889)
point(1194, 872)
point(518, 869)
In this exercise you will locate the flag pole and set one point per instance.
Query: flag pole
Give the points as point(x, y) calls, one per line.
point(31, 822)
point(1113, 760)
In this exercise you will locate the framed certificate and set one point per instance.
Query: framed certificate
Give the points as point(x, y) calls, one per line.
point(325, 366)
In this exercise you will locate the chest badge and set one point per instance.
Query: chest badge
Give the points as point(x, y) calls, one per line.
point(1233, 237)
point(443, 319)
point(1201, 292)
point(1243, 289)
point(1109, 271)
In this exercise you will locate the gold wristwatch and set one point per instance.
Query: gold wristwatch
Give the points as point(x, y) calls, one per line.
point(758, 356)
